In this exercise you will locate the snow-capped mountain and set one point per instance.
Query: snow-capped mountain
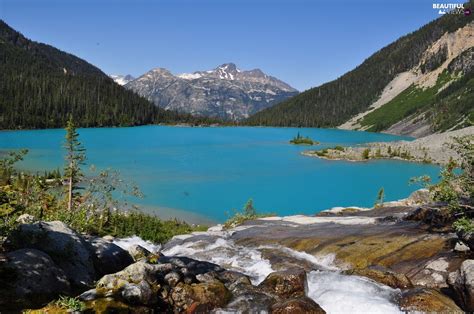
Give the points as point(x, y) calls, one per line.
point(225, 92)
point(122, 79)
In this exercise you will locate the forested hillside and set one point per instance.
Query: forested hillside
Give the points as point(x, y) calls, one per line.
point(335, 102)
point(41, 85)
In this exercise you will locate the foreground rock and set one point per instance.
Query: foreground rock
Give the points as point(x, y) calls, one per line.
point(462, 281)
point(301, 305)
point(65, 247)
point(426, 300)
point(107, 257)
point(286, 284)
point(182, 284)
point(30, 278)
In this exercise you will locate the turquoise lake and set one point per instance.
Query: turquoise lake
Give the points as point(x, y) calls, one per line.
point(202, 174)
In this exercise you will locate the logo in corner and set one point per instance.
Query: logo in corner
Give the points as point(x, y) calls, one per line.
point(451, 8)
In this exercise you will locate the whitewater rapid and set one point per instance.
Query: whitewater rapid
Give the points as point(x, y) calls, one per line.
point(327, 285)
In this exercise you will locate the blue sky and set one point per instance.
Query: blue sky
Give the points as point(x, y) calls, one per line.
point(302, 42)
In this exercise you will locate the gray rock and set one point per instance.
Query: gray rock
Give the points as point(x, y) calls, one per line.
point(108, 257)
point(25, 219)
point(30, 278)
point(172, 278)
point(140, 293)
point(467, 238)
point(461, 247)
point(66, 247)
point(138, 252)
point(89, 295)
point(462, 282)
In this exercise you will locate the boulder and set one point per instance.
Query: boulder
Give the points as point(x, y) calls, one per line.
point(462, 282)
point(30, 278)
point(138, 293)
point(427, 300)
point(107, 257)
point(67, 249)
point(296, 306)
point(286, 284)
point(205, 296)
point(436, 218)
point(384, 276)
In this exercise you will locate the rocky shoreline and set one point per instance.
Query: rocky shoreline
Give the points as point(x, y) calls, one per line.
point(430, 149)
point(402, 256)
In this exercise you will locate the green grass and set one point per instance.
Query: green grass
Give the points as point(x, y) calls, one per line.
point(403, 105)
point(70, 304)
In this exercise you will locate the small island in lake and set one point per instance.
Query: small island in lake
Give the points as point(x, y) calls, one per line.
point(303, 140)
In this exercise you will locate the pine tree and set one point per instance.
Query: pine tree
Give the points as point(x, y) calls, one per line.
point(380, 197)
point(75, 158)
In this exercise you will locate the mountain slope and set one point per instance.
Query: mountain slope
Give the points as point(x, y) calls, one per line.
point(334, 103)
point(225, 92)
point(42, 85)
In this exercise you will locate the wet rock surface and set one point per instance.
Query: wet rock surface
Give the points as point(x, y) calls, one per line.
point(384, 276)
point(427, 300)
point(294, 306)
point(286, 284)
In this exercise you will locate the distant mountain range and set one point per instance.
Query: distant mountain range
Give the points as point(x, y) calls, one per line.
point(41, 86)
point(225, 92)
point(420, 84)
point(122, 79)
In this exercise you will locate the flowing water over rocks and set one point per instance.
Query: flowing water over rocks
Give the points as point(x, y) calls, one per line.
point(334, 291)
point(379, 261)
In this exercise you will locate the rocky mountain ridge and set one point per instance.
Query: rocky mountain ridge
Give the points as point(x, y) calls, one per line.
point(420, 84)
point(225, 92)
point(452, 54)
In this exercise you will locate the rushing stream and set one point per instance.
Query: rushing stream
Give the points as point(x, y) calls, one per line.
point(334, 291)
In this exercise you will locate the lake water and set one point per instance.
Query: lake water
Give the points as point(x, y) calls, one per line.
point(202, 174)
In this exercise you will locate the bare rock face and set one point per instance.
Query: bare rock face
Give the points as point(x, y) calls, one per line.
point(225, 92)
point(30, 278)
point(65, 247)
point(462, 282)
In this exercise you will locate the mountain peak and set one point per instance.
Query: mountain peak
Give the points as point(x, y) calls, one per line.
point(121, 79)
point(227, 71)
